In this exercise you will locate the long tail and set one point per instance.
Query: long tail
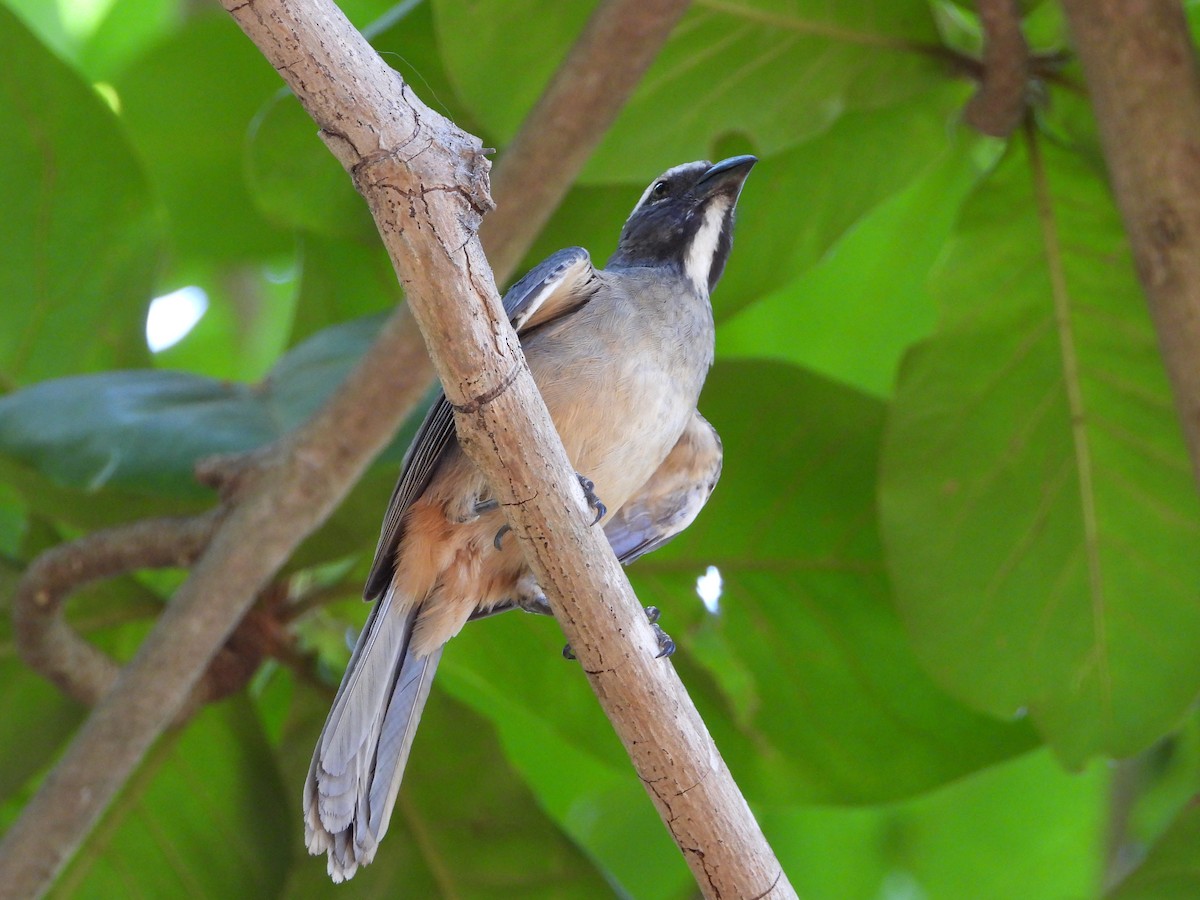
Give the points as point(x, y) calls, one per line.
point(359, 761)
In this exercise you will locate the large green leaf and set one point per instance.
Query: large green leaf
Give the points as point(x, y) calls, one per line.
point(1022, 829)
point(777, 72)
point(1038, 506)
point(105, 448)
point(810, 658)
point(189, 103)
point(82, 242)
point(206, 816)
point(144, 430)
point(340, 280)
point(852, 316)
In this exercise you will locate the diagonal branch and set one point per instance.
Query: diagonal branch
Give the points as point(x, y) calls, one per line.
point(425, 182)
point(294, 486)
point(291, 494)
point(1141, 71)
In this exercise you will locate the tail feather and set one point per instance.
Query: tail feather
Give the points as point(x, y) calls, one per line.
point(360, 757)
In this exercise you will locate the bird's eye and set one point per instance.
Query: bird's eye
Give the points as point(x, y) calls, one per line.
point(660, 190)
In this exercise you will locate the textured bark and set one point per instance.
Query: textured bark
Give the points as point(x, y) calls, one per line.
point(289, 496)
point(373, 124)
point(1141, 72)
point(425, 182)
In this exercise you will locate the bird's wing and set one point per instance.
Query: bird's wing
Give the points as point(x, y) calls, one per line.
point(551, 289)
point(672, 498)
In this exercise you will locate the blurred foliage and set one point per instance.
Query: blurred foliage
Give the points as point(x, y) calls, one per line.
point(956, 529)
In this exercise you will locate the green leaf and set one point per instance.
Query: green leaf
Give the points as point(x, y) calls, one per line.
point(296, 180)
point(127, 30)
point(189, 103)
point(1038, 504)
point(341, 280)
point(144, 430)
point(777, 73)
point(132, 439)
point(854, 314)
point(1022, 829)
point(76, 268)
point(1172, 869)
point(47, 719)
point(206, 815)
point(247, 323)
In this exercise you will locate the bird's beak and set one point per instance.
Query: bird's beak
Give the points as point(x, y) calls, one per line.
point(727, 175)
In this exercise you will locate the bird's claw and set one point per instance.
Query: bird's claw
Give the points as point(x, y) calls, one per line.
point(666, 646)
point(589, 494)
point(499, 538)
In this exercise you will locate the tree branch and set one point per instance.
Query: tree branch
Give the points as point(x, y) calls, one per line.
point(307, 476)
point(999, 104)
point(1140, 66)
point(45, 640)
point(389, 380)
point(425, 182)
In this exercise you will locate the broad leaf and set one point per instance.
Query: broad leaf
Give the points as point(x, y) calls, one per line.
point(853, 315)
point(144, 430)
point(775, 72)
point(78, 258)
point(1039, 511)
point(205, 816)
point(189, 104)
point(1022, 829)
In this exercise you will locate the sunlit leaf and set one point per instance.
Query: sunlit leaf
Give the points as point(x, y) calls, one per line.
point(189, 103)
point(205, 816)
point(775, 72)
point(1038, 504)
point(78, 256)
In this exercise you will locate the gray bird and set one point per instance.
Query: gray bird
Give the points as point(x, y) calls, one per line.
point(619, 355)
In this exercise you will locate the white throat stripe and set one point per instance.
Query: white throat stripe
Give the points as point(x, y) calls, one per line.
point(700, 254)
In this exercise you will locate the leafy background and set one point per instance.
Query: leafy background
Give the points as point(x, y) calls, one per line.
point(956, 649)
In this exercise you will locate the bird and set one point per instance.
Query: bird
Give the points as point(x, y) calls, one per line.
point(619, 355)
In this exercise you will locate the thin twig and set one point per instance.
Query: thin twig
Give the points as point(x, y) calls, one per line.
point(47, 642)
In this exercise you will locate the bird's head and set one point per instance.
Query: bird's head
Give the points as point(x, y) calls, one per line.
point(685, 220)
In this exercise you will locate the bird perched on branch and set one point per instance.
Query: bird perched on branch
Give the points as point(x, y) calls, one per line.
point(619, 355)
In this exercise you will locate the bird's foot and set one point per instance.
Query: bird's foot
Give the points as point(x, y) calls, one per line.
point(666, 646)
point(498, 540)
point(589, 494)
point(536, 603)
